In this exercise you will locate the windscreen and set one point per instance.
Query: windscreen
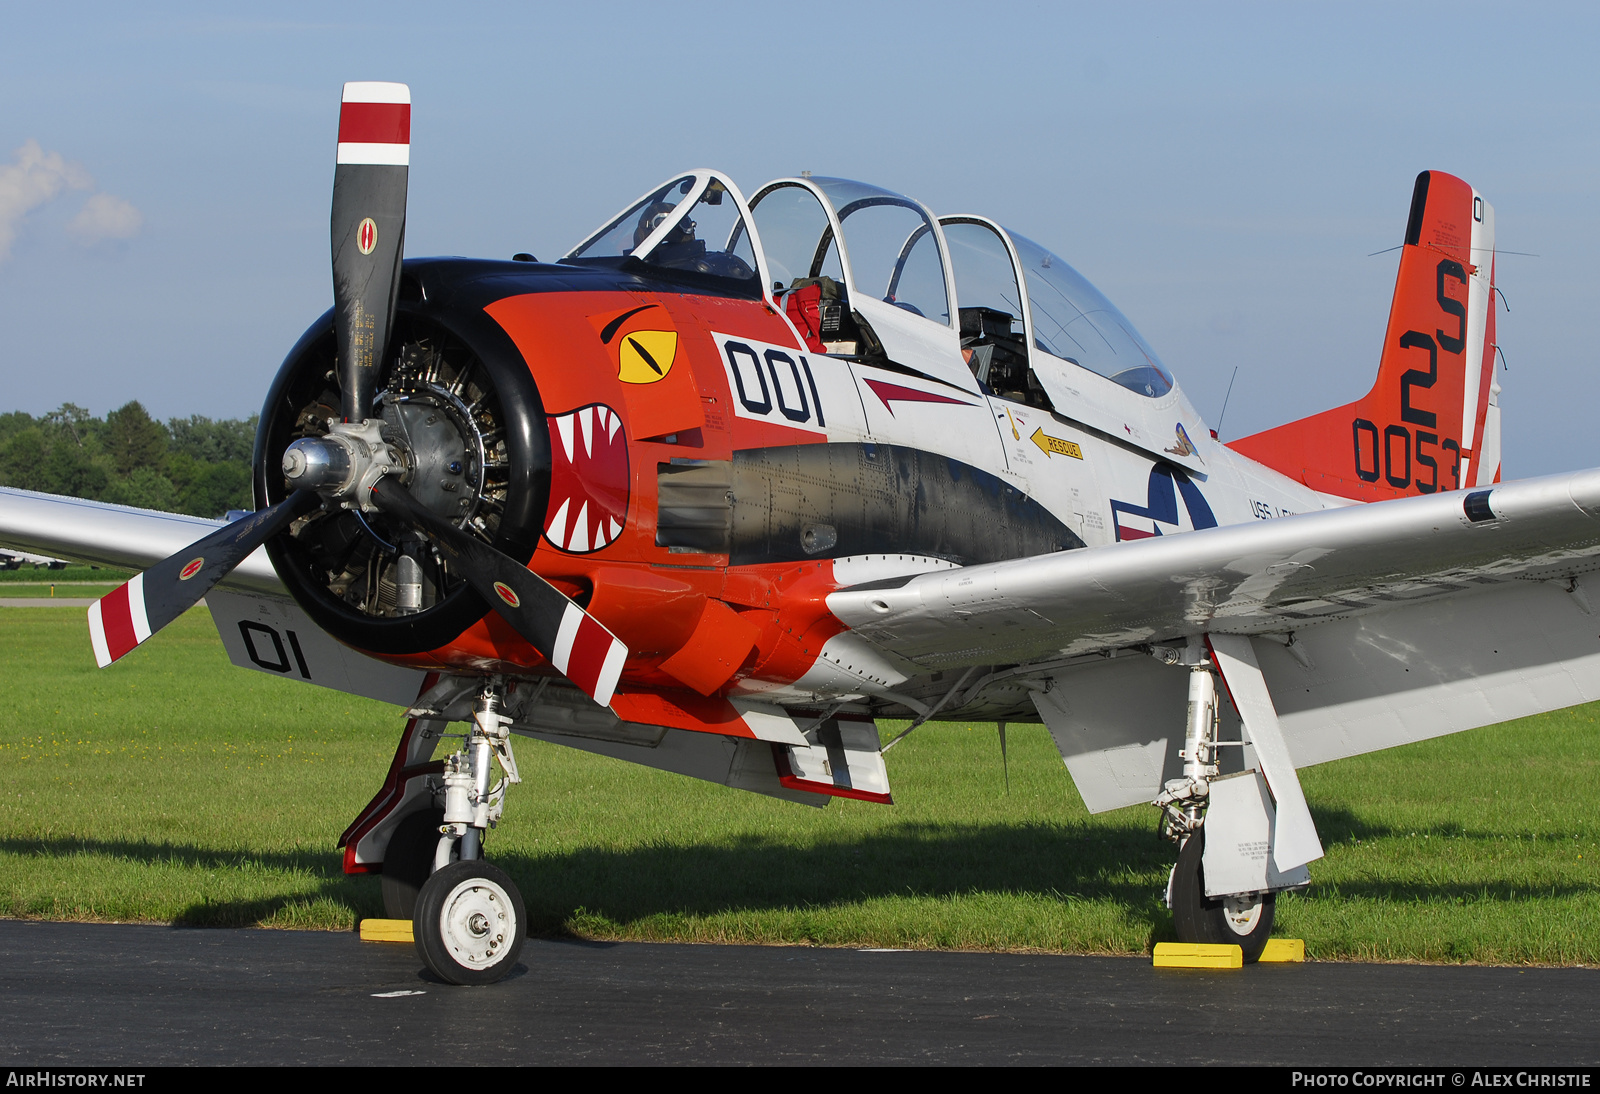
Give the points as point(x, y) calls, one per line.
point(1073, 321)
point(708, 237)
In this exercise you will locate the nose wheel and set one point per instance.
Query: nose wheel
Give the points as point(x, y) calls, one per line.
point(469, 923)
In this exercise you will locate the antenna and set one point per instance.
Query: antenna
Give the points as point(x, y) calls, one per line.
point(1225, 399)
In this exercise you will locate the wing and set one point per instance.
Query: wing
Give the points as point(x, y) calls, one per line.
point(103, 534)
point(260, 626)
point(1373, 625)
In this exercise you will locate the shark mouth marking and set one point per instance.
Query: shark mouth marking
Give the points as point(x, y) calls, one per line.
point(588, 479)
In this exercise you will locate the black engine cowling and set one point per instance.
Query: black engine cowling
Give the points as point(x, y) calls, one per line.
point(456, 396)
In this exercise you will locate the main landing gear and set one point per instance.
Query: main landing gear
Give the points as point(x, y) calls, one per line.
point(467, 917)
point(1245, 918)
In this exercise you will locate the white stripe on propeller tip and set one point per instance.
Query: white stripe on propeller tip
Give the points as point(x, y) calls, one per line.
point(605, 685)
point(141, 621)
point(370, 91)
point(97, 636)
point(118, 622)
point(588, 654)
point(385, 155)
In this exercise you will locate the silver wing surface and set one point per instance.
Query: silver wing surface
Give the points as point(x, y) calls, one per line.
point(1373, 625)
point(261, 627)
point(103, 534)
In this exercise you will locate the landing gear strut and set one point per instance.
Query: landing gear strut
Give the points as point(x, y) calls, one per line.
point(468, 919)
point(1242, 919)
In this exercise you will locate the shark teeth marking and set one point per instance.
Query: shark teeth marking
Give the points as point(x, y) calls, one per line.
point(589, 479)
point(557, 529)
point(564, 430)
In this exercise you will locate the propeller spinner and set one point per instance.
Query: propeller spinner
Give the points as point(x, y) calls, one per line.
point(353, 465)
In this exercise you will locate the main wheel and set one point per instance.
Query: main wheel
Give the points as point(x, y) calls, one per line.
point(469, 923)
point(1242, 921)
point(409, 860)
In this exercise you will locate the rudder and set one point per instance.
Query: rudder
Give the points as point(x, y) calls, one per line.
point(1431, 421)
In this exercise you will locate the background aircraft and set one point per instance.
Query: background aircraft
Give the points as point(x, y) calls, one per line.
point(13, 560)
point(734, 479)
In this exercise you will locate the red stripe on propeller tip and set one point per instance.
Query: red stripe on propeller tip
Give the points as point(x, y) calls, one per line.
point(117, 618)
point(588, 657)
point(375, 123)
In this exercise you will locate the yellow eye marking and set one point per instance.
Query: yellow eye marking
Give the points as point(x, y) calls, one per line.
point(645, 356)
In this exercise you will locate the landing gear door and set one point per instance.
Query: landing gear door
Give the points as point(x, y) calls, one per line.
point(1238, 847)
point(271, 634)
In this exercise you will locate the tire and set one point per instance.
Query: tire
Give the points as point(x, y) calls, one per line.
point(409, 860)
point(469, 923)
point(1246, 923)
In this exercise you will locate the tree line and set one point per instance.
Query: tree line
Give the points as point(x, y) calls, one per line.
point(194, 465)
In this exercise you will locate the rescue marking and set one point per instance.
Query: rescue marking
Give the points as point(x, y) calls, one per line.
point(1055, 445)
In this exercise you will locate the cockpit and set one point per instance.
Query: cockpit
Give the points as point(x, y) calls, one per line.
point(692, 224)
point(869, 274)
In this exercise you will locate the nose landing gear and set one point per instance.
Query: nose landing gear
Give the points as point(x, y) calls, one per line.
point(467, 917)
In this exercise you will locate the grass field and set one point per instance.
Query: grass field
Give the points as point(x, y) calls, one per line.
point(175, 788)
point(78, 582)
point(53, 590)
point(74, 574)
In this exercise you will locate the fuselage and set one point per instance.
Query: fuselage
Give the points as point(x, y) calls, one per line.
point(699, 470)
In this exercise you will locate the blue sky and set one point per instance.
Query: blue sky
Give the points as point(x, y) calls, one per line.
point(1221, 172)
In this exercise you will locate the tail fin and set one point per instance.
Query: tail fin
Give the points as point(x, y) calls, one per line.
point(1431, 421)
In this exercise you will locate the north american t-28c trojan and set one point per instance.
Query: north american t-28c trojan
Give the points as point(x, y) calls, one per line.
point(733, 479)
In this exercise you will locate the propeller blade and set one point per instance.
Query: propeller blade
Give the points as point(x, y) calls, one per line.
point(571, 639)
point(368, 232)
point(126, 616)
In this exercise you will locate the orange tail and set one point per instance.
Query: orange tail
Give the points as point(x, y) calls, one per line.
point(1431, 421)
